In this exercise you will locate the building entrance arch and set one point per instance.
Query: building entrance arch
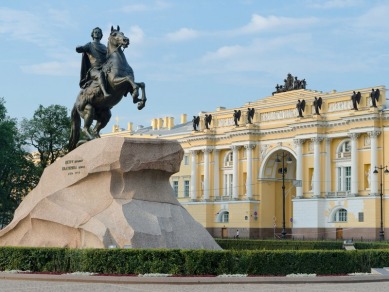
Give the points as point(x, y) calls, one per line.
point(277, 176)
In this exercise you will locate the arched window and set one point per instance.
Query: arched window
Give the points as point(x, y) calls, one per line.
point(223, 217)
point(340, 215)
point(344, 149)
point(343, 167)
point(227, 174)
point(228, 159)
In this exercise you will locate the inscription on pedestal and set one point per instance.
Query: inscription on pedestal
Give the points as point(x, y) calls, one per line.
point(73, 167)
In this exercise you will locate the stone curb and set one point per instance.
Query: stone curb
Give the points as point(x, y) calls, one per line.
point(191, 280)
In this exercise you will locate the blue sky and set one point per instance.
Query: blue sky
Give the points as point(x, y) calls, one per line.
point(193, 55)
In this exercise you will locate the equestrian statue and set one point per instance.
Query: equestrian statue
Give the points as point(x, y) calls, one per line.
point(105, 78)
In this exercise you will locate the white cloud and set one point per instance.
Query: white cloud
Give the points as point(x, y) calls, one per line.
point(157, 5)
point(61, 18)
point(53, 68)
point(183, 34)
point(134, 8)
point(22, 25)
point(330, 4)
point(376, 17)
point(136, 34)
point(260, 23)
point(259, 48)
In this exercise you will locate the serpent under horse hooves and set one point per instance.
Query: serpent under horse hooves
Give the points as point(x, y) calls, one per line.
point(92, 105)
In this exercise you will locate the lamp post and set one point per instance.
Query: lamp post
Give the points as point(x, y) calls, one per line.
point(283, 171)
point(383, 169)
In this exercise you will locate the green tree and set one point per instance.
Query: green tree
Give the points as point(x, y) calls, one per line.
point(48, 131)
point(18, 173)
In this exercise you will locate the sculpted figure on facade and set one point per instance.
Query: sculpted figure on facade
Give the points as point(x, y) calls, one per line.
point(300, 107)
point(250, 115)
point(195, 123)
point(207, 120)
point(374, 95)
point(237, 114)
point(356, 98)
point(317, 104)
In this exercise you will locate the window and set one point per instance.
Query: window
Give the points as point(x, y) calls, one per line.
point(186, 188)
point(346, 147)
point(344, 150)
point(361, 217)
point(341, 215)
point(228, 184)
point(228, 160)
point(175, 187)
point(223, 217)
point(186, 160)
point(344, 179)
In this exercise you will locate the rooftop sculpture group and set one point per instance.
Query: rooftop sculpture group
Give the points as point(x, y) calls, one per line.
point(105, 78)
point(291, 83)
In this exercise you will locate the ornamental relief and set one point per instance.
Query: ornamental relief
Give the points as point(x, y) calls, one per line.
point(225, 122)
point(367, 140)
point(340, 106)
point(278, 115)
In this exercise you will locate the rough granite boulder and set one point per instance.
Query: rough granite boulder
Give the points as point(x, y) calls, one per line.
point(109, 191)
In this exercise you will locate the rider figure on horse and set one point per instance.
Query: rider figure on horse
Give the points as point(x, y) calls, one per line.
point(93, 58)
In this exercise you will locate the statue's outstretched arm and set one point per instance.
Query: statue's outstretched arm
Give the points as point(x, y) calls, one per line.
point(82, 49)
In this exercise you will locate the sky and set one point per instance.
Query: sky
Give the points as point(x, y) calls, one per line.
point(193, 55)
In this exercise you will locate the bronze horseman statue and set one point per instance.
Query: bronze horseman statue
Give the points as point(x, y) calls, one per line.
point(105, 78)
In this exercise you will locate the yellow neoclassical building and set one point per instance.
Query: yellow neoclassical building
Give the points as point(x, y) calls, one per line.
point(275, 173)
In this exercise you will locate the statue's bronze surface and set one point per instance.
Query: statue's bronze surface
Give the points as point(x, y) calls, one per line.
point(104, 82)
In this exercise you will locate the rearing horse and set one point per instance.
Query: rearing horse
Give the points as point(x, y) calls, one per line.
point(92, 105)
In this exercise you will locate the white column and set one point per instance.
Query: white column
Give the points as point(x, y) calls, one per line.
point(299, 166)
point(193, 176)
point(235, 174)
point(373, 162)
point(249, 170)
point(206, 173)
point(328, 166)
point(216, 170)
point(354, 164)
point(316, 166)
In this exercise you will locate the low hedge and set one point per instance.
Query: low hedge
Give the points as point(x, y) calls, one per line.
point(191, 262)
point(249, 244)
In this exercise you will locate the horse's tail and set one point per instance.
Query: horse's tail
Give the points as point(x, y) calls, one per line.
point(75, 129)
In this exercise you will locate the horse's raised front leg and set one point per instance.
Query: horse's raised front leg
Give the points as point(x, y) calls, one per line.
point(135, 88)
point(142, 101)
